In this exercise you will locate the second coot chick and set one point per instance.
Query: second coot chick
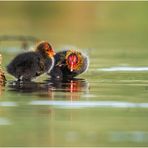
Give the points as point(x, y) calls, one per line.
point(2, 75)
point(68, 64)
point(29, 65)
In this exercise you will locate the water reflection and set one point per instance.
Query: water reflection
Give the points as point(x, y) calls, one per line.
point(49, 88)
point(69, 85)
point(130, 136)
point(26, 87)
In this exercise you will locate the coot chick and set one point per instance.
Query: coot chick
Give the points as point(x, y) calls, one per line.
point(2, 75)
point(29, 65)
point(69, 64)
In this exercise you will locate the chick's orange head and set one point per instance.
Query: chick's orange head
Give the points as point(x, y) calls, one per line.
point(46, 48)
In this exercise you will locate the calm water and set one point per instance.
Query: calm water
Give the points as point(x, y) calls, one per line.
point(107, 105)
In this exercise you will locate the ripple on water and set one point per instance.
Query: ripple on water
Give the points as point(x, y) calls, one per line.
point(5, 121)
point(130, 136)
point(8, 104)
point(80, 104)
point(124, 68)
point(90, 104)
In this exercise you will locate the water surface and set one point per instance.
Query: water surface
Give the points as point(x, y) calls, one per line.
point(107, 105)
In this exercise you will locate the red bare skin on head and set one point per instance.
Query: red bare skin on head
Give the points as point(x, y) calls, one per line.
point(72, 60)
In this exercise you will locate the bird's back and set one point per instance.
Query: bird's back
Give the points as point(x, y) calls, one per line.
point(24, 64)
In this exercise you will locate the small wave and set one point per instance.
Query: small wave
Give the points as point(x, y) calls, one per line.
point(5, 121)
point(130, 136)
point(124, 68)
point(81, 104)
point(8, 104)
point(92, 104)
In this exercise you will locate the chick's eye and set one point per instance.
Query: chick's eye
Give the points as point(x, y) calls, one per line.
point(46, 46)
point(49, 50)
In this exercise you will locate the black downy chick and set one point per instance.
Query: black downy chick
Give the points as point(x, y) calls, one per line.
point(69, 64)
point(29, 65)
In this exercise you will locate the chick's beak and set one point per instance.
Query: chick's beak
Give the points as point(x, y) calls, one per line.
point(71, 68)
point(51, 53)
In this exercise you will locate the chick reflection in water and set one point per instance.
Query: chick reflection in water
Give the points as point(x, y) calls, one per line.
point(69, 87)
point(27, 87)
